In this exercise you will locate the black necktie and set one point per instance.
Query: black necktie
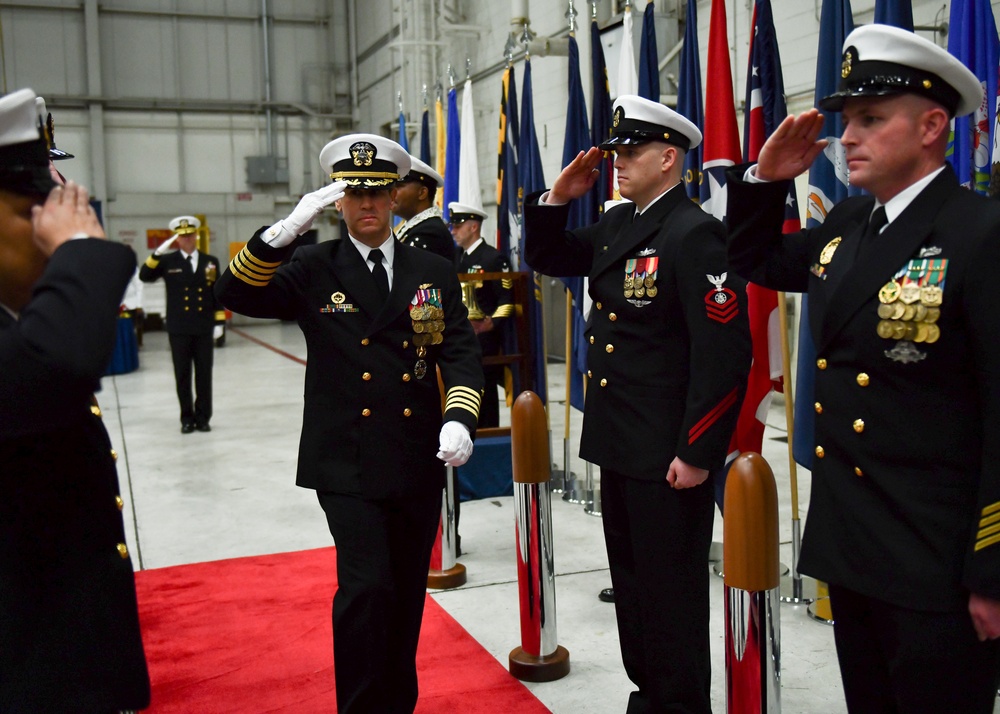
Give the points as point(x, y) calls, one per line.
point(876, 223)
point(379, 275)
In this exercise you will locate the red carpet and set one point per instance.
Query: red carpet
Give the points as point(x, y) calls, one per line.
point(253, 635)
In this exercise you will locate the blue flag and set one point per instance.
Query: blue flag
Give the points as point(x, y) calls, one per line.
point(972, 38)
point(898, 13)
point(689, 103)
point(649, 62)
point(581, 213)
point(828, 185)
point(508, 222)
point(403, 141)
point(531, 179)
point(425, 137)
point(600, 117)
point(453, 146)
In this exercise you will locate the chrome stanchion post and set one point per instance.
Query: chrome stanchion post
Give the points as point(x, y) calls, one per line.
point(539, 658)
point(445, 572)
point(796, 589)
point(752, 577)
point(592, 503)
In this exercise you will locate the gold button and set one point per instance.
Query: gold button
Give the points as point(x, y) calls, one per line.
point(95, 410)
point(123, 550)
point(818, 407)
point(863, 379)
point(119, 502)
point(364, 342)
point(366, 412)
point(598, 305)
point(407, 412)
point(612, 317)
point(589, 374)
point(114, 455)
point(405, 344)
point(609, 348)
point(406, 376)
point(366, 376)
point(819, 452)
point(591, 339)
point(858, 472)
point(859, 425)
point(821, 363)
point(604, 382)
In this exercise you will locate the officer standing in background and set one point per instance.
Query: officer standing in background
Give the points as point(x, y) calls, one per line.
point(69, 622)
point(493, 298)
point(194, 317)
point(669, 358)
point(379, 317)
point(422, 226)
point(905, 506)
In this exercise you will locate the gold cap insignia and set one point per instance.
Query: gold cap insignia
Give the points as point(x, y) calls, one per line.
point(826, 255)
point(425, 286)
point(845, 68)
point(363, 153)
point(619, 115)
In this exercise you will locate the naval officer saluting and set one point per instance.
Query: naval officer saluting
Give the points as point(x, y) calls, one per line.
point(379, 318)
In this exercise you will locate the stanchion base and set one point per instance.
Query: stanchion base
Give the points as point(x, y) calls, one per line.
point(821, 612)
point(446, 579)
point(529, 668)
point(573, 492)
point(592, 507)
point(559, 479)
point(802, 592)
point(715, 552)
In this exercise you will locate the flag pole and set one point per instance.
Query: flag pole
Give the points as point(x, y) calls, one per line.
point(571, 490)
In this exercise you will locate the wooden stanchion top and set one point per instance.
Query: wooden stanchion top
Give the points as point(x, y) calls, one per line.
point(750, 532)
point(529, 440)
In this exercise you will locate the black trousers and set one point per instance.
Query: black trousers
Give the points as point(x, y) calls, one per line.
point(383, 555)
point(658, 540)
point(489, 410)
point(894, 660)
point(188, 350)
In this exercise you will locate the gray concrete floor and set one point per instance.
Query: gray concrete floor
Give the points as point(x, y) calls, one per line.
point(231, 492)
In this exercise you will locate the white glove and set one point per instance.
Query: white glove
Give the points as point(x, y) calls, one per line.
point(302, 216)
point(455, 443)
point(218, 331)
point(166, 245)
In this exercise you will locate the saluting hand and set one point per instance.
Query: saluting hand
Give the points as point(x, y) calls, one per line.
point(578, 177)
point(683, 475)
point(793, 146)
point(65, 214)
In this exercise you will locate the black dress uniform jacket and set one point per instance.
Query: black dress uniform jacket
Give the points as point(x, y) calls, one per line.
point(428, 233)
point(192, 308)
point(906, 489)
point(69, 626)
point(645, 402)
point(494, 298)
point(370, 424)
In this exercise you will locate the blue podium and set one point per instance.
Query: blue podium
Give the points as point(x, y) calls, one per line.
point(125, 357)
point(488, 472)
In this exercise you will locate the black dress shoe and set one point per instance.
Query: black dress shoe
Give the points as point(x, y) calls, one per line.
point(606, 595)
point(203, 427)
point(187, 427)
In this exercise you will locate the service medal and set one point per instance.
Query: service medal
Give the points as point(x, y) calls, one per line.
point(898, 308)
point(933, 314)
point(909, 293)
point(889, 292)
point(920, 314)
point(628, 292)
point(651, 291)
point(640, 291)
point(931, 295)
point(419, 327)
point(933, 333)
point(826, 255)
point(923, 329)
point(649, 281)
point(885, 311)
point(884, 329)
point(628, 282)
point(909, 311)
point(437, 338)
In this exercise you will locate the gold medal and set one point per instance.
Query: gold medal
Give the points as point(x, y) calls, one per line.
point(898, 330)
point(884, 329)
point(629, 283)
point(421, 340)
point(651, 291)
point(922, 332)
point(933, 313)
point(885, 311)
point(898, 309)
point(628, 292)
point(933, 334)
point(920, 312)
point(640, 291)
point(826, 255)
point(649, 281)
point(437, 338)
point(419, 327)
point(931, 295)
point(911, 331)
point(909, 311)
point(889, 292)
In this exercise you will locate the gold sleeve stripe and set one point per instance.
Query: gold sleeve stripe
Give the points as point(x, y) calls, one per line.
point(152, 262)
point(257, 262)
point(985, 542)
point(252, 272)
point(460, 400)
point(992, 508)
point(989, 530)
point(220, 315)
point(462, 390)
point(506, 283)
point(989, 519)
point(504, 311)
